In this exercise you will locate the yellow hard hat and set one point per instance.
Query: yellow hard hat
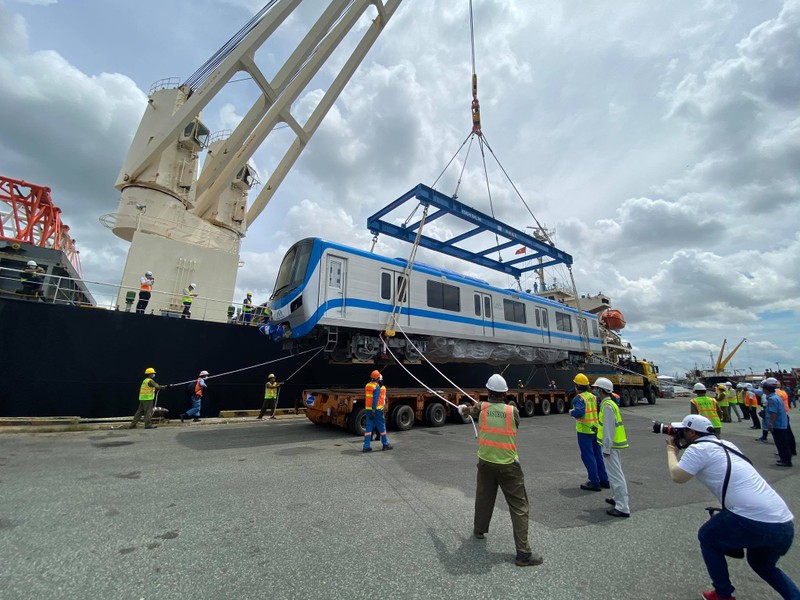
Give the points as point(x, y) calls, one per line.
point(580, 379)
point(249, 293)
point(149, 371)
point(271, 376)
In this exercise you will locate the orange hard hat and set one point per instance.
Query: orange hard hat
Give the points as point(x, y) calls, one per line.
point(375, 374)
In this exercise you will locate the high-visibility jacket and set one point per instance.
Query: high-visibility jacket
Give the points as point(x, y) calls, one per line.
point(247, 305)
point(198, 389)
point(783, 396)
point(722, 399)
point(187, 296)
point(731, 395)
point(146, 391)
point(370, 393)
point(497, 433)
point(145, 284)
point(707, 407)
point(588, 422)
point(620, 440)
point(750, 399)
point(271, 390)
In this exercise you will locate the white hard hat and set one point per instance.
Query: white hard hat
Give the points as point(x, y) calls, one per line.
point(603, 384)
point(699, 387)
point(496, 383)
point(748, 386)
point(728, 384)
point(770, 381)
point(191, 285)
point(148, 274)
point(32, 263)
point(203, 373)
point(695, 423)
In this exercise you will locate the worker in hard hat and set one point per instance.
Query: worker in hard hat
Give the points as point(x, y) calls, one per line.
point(584, 411)
point(722, 402)
point(271, 390)
point(498, 465)
point(188, 296)
point(733, 402)
point(751, 403)
point(31, 279)
point(197, 398)
point(707, 407)
point(147, 399)
point(611, 438)
point(375, 400)
point(145, 288)
point(247, 308)
point(781, 393)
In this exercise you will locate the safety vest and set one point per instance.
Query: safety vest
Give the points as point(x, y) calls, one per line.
point(750, 399)
point(27, 275)
point(145, 285)
point(497, 433)
point(271, 390)
point(783, 396)
point(722, 399)
point(247, 305)
point(146, 391)
point(187, 296)
point(731, 395)
point(620, 440)
point(370, 393)
point(198, 389)
point(588, 422)
point(707, 407)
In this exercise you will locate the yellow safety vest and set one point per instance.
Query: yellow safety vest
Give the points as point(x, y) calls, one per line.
point(247, 305)
point(187, 296)
point(588, 422)
point(271, 390)
point(620, 439)
point(722, 398)
point(497, 433)
point(707, 407)
point(146, 391)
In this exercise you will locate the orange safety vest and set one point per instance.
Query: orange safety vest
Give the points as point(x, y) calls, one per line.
point(588, 422)
point(785, 397)
point(145, 285)
point(370, 391)
point(198, 389)
point(497, 433)
point(750, 399)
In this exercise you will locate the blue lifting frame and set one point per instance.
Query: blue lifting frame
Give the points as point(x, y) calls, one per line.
point(445, 205)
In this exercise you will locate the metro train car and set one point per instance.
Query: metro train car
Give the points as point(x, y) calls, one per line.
point(344, 298)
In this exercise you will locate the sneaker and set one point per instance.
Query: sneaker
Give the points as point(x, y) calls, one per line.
point(617, 513)
point(151, 427)
point(195, 420)
point(605, 485)
point(366, 449)
point(611, 502)
point(528, 559)
point(713, 595)
point(754, 427)
point(762, 440)
point(780, 463)
point(478, 536)
point(590, 487)
point(388, 447)
point(259, 418)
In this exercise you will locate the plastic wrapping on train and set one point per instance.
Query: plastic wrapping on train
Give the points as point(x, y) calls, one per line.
point(444, 350)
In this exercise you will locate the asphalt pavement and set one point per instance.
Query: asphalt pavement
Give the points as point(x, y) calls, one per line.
point(287, 509)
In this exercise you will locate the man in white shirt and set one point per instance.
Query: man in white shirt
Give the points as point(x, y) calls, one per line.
point(753, 515)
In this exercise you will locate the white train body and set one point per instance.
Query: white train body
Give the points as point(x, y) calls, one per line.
point(346, 296)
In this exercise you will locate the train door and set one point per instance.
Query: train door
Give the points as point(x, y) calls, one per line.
point(483, 312)
point(395, 294)
point(335, 286)
point(543, 324)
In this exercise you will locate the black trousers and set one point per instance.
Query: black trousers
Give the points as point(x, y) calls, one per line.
point(144, 298)
point(782, 443)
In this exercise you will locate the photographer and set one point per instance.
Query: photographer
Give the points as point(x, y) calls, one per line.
point(753, 515)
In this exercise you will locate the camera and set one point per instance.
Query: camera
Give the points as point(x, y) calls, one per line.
point(675, 432)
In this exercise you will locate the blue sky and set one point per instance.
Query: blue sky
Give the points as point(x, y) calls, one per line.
point(661, 143)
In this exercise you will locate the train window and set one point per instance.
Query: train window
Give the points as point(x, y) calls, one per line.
point(594, 329)
point(401, 289)
point(514, 311)
point(386, 286)
point(477, 305)
point(563, 322)
point(583, 329)
point(538, 322)
point(487, 307)
point(545, 324)
point(441, 295)
point(293, 269)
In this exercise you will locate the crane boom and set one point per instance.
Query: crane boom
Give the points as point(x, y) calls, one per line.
point(722, 363)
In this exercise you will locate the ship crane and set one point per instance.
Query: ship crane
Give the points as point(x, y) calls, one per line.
point(187, 223)
point(719, 366)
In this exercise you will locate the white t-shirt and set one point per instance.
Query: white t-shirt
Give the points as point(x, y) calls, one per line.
point(748, 494)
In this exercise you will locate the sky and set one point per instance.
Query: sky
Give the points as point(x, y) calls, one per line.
point(659, 141)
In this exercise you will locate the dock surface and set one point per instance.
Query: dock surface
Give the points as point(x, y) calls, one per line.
point(287, 510)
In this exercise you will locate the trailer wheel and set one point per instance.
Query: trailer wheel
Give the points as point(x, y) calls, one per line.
point(544, 407)
point(403, 418)
point(435, 415)
point(625, 398)
point(528, 408)
point(634, 397)
point(560, 406)
point(457, 417)
point(650, 394)
point(357, 422)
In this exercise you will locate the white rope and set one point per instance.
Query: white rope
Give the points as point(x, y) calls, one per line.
point(319, 349)
point(432, 391)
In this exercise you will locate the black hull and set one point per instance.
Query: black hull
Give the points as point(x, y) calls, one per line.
point(61, 360)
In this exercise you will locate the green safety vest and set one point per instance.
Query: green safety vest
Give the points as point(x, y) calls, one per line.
point(187, 296)
point(271, 390)
point(732, 398)
point(707, 407)
point(247, 305)
point(146, 391)
point(620, 439)
point(497, 433)
point(588, 422)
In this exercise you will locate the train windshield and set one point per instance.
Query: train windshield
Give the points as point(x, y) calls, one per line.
point(293, 268)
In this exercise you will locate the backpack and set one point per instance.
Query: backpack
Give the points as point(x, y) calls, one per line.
point(190, 388)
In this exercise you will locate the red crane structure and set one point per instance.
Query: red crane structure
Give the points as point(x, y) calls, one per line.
point(28, 216)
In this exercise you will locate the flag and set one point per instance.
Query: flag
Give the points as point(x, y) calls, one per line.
point(520, 251)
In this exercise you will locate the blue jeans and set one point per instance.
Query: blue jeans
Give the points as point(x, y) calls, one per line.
point(592, 457)
point(375, 420)
point(765, 543)
point(195, 410)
